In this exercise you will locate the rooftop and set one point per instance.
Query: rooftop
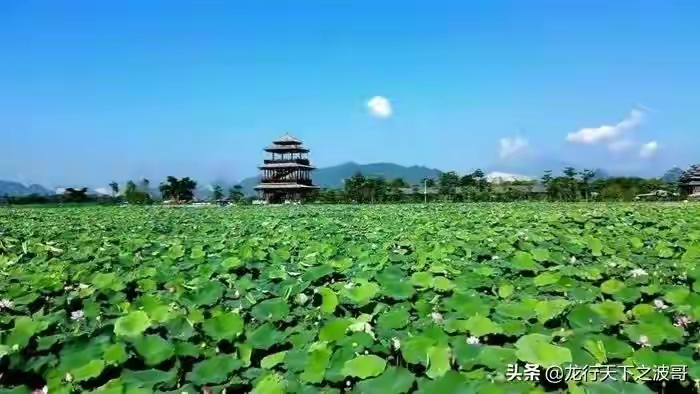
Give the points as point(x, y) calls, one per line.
point(287, 139)
point(691, 174)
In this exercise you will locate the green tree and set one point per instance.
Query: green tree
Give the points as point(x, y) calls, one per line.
point(396, 187)
point(217, 193)
point(586, 178)
point(115, 188)
point(178, 189)
point(449, 181)
point(235, 193)
point(355, 186)
point(135, 196)
point(571, 188)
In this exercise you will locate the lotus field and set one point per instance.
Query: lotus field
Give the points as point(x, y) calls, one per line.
point(437, 299)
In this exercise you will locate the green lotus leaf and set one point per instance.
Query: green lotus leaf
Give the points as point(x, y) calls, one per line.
point(362, 292)
point(318, 361)
point(273, 359)
point(226, 326)
point(394, 380)
point(364, 367)
point(214, 370)
point(524, 261)
point(264, 337)
point(88, 371)
point(480, 326)
point(273, 383)
point(438, 361)
point(506, 290)
point(422, 279)
point(537, 349)
point(133, 324)
point(548, 309)
point(271, 310)
point(334, 330)
point(612, 286)
point(231, 263)
point(540, 254)
point(154, 349)
point(329, 300)
point(611, 312)
point(547, 278)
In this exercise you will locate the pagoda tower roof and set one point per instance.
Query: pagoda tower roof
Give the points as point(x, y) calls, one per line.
point(691, 176)
point(287, 139)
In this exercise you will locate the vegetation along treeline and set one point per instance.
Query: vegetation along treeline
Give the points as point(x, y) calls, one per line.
point(572, 185)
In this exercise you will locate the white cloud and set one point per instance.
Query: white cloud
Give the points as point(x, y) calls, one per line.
point(380, 107)
point(648, 150)
point(621, 145)
point(604, 133)
point(509, 147)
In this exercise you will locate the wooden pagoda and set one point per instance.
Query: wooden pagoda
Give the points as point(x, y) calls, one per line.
point(285, 172)
point(690, 182)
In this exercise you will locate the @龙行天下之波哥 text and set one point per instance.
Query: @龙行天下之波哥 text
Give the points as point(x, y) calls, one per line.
point(596, 373)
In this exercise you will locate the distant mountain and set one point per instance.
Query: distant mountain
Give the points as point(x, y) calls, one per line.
point(333, 177)
point(673, 175)
point(9, 188)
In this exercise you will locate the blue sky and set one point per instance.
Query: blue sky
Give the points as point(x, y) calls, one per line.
point(94, 91)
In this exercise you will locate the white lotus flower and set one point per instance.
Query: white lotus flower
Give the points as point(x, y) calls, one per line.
point(77, 315)
point(6, 304)
point(659, 304)
point(573, 259)
point(395, 343)
point(473, 340)
point(302, 298)
point(682, 321)
point(437, 317)
point(637, 272)
point(644, 341)
point(69, 378)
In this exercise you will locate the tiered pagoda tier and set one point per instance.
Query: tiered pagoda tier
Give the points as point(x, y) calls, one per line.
point(690, 181)
point(286, 171)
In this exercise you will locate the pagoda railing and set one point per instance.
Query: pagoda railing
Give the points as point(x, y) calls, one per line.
point(306, 182)
point(305, 162)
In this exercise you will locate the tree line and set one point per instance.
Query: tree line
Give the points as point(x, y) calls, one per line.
point(571, 185)
point(172, 189)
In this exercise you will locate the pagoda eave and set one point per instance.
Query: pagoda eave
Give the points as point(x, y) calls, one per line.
point(280, 166)
point(286, 186)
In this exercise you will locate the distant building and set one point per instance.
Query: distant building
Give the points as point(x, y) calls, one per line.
point(690, 182)
point(656, 194)
point(286, 172)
